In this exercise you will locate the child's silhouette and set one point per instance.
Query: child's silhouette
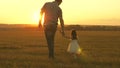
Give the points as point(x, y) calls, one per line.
point(73, 47)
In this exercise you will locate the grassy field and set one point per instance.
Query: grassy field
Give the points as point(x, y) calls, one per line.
point(28, 49)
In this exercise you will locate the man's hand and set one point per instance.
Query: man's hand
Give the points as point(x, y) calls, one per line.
point(39, 25)
point(63, 33)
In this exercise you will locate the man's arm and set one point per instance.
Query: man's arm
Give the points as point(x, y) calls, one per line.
point(41, 15)
point(62, 25)
point(40, 20)
point(61, 22)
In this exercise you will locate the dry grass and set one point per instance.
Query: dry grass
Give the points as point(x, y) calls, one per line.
point(28, 49)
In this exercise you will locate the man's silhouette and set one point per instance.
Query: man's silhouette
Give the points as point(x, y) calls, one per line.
point(52, 13)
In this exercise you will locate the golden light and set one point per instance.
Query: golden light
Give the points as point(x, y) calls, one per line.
point(89, 12)
point(36, 17)
point(43, 19)
point(79, 51)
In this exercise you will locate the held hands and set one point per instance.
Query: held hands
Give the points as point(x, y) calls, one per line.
point(62, 32)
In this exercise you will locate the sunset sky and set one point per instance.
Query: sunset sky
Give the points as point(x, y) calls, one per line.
point(83, 12)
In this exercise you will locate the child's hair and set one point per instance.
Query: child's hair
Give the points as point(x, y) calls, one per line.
point(73, 34)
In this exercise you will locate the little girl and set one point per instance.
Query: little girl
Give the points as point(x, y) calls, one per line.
point(73, 47)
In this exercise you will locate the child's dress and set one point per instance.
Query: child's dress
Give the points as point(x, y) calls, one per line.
point(74, 47)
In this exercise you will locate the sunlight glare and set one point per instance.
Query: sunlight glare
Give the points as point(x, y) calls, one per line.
point(79, 50)
point(43, 19)
point(36, 17)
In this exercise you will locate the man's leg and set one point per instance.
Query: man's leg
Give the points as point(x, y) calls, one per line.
point(50, 34)
point(52, 44)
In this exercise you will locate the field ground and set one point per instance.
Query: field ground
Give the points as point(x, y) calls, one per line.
point(28, 49)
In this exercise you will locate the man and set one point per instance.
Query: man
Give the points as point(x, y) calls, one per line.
point(52, 12)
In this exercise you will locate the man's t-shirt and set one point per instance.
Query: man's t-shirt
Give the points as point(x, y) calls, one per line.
point(52, 12)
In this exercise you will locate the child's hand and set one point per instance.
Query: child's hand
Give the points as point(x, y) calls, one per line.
point(66, 37)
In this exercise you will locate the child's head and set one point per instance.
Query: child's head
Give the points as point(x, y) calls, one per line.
point(73, 34)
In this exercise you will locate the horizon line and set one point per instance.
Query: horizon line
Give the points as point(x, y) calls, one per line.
point(59, 24)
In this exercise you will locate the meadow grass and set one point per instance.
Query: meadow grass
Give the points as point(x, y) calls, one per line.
point(28, 49)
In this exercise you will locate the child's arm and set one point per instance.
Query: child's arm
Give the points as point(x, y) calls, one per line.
point(65, 36)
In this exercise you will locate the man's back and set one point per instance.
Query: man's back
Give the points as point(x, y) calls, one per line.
point(52, 12)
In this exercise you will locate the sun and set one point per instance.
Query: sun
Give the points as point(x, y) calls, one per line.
point(36, 17)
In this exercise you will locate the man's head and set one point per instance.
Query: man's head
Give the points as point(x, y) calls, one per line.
point(59, 1)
